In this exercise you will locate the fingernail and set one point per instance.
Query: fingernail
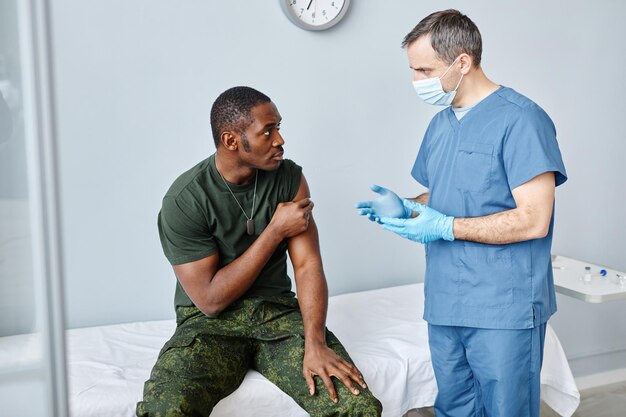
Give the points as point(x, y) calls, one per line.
point(336, 400)
point(356, 392)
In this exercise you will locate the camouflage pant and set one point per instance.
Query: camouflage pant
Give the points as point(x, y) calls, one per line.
point(206, 360)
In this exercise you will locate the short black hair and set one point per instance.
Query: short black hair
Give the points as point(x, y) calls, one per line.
point(451, 34)
point(231, 110)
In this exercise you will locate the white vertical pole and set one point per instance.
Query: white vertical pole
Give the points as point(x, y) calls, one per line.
point(41, 141)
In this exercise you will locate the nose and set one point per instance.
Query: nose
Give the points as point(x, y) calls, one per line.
point(278, 140)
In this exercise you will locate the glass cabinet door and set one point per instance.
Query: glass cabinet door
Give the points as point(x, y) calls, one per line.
point(32, 369)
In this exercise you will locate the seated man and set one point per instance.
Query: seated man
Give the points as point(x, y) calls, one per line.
point(225, 226)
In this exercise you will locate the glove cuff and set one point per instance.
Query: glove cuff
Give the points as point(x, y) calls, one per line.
point(408, 205)
point(449, 229)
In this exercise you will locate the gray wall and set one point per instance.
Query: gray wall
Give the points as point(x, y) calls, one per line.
point(135, 81)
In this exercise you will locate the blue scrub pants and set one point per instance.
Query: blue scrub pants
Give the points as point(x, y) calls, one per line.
point(486, 372)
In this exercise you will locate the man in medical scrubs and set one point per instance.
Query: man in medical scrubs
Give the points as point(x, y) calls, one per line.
point(226, 226)
point(491, 163)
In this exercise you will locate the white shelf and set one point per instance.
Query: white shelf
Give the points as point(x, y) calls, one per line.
point(568, 281)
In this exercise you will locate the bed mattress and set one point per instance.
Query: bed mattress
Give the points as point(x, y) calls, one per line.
point(382, 330)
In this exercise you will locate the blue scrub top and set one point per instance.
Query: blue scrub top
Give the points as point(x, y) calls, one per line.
point(470, 167)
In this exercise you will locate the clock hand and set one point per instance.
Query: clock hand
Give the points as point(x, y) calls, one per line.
point(307, 7)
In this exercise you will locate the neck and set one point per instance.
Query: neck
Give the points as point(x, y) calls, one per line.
point(474, 87)
point(233, 171)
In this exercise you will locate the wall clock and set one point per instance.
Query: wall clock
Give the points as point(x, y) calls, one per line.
point(315, 14)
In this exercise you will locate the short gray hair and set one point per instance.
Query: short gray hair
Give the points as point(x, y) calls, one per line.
point(451, 34)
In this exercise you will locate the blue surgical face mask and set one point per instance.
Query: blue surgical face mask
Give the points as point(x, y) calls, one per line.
point(431, 91)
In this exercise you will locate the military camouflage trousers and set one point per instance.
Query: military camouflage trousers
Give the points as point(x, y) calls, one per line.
point(207, 358)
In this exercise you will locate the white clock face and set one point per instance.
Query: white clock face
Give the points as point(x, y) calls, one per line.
point(316, 14)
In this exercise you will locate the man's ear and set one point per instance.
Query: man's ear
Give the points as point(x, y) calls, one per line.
point(466, 63)
point(229, 140)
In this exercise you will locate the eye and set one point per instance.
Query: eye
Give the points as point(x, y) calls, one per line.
point(268, 132)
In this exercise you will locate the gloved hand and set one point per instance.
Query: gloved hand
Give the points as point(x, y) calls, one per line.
point(428, 226)
point(388, 204)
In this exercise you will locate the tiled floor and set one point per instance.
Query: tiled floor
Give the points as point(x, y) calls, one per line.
point(604, 401)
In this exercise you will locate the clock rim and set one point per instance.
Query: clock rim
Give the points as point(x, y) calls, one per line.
point(294, 19)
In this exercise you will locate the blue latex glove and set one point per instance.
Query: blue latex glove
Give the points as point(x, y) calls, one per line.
point(428, 226)
point(387, 204)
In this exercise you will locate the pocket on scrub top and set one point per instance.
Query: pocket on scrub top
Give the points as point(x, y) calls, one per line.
point(485, 276)
point(473, 166)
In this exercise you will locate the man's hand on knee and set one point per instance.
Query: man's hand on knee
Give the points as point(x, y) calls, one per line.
point(323, 362)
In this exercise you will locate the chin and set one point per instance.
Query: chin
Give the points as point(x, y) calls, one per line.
point(275, 165)
point(269, 166)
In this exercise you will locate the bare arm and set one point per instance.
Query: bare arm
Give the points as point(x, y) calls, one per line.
point(422, 199)
point(529, 220)
point(319, 359)
point(304, 252)
point(212, 289)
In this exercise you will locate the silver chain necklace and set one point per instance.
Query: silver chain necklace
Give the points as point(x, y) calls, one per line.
point(249, 220)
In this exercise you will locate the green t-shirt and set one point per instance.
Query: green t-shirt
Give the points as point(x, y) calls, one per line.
point(200, 217)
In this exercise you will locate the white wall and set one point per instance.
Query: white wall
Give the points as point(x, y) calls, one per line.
point(136, 79)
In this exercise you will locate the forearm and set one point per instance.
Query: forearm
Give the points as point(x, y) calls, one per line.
point(510, 226)
point(313, 300)
point(233, 280)
point(422, 199)
point(319, 359)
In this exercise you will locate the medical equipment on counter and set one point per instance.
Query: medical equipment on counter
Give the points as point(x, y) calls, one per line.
point(587, 276)
point(586, 281)
point(619, 280)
